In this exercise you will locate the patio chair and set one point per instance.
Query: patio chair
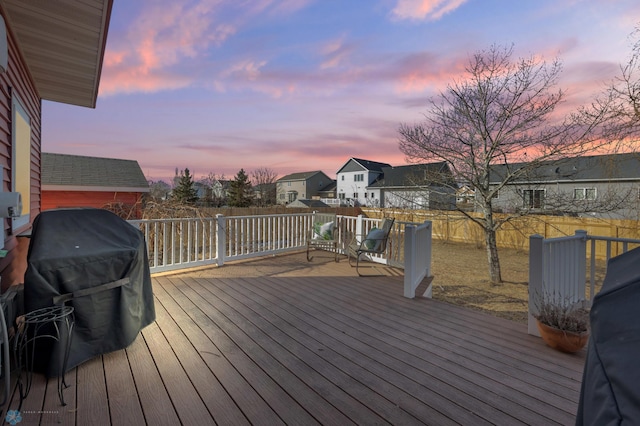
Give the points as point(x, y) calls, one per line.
point(374, 243)
point(323, 234)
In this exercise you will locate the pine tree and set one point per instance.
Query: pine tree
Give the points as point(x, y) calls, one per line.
point(185, 191)
point(240, 192)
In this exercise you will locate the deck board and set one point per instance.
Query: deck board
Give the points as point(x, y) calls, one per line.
point(192, 348)
point(92, 404)
point(314, 345)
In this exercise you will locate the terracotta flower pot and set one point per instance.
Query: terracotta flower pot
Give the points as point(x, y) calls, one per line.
point(561, 340)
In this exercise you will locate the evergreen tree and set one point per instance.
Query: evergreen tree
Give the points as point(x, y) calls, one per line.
point(185, 191)
point(240, 191)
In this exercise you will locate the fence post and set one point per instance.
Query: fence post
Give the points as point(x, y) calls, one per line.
point(535, 280)
point(221, 239)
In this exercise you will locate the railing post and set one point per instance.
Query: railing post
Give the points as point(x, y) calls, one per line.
point(535, 280)
point(581, 266)
point(360, 228)
point(409, 260)
point(429, 253)
point(221, 239)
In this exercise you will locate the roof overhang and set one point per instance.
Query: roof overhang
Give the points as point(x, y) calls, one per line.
point(63, 44)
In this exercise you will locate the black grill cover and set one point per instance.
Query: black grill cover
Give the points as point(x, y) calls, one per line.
point(81, 251)
point(610, 393)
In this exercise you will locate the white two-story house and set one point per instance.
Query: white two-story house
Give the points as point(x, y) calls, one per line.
point(353, 179)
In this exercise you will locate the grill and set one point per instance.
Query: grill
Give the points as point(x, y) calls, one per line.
point(97, 263)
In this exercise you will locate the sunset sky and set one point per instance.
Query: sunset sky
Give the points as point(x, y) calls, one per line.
point(301, 85)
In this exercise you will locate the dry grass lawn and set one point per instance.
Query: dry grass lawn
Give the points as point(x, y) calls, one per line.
point(462, 278)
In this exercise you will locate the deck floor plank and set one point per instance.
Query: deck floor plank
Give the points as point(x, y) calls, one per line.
point(191, 346)
point(421, 350)
point(122, 394)
point(184, 398)
point(308, 365)
point(238, 374)
point(156, 404)
point(53, 413)
point(403, 392)
point(91, 389)
point(315, 344)
point(290, 409)
point(367, 348)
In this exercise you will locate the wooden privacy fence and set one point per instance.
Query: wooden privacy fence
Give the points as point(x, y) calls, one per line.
point(455, 226)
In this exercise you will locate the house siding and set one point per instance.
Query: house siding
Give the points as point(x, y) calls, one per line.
point(17, 80)
point(305, 189)
point(509, 200)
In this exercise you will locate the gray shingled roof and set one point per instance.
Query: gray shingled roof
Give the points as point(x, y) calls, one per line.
point(373, 166)
point(592, 168)
point(76, 170)
point(416, 175)
point(301, 175)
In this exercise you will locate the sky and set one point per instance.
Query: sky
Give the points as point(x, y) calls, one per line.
point(304, 85)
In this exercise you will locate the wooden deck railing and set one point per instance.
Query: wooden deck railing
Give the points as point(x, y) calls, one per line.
point(558, 268)
point(174, 244)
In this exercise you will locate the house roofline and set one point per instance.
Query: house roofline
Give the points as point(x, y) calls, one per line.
point(94, 188)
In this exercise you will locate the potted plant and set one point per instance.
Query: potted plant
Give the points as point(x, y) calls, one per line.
point(562, 325)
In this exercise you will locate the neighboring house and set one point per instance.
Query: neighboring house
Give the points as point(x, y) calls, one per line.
point(353, 179)
point(212, 193)
point(418, 186)
point(598, 186)
point(305, 185)
point(50, 51)
point(79, 181)
point(265, 194)
point(329, 191)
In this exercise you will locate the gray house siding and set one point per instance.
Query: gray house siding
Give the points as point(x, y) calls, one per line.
point(606, 186)
point(300, 186)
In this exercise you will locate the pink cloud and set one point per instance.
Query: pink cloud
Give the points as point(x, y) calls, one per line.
point(431, 10)
point(162, 37)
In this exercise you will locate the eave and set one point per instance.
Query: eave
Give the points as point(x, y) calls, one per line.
point(63, 44)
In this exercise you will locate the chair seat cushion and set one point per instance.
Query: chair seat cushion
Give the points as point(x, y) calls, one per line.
point(323, 231)
point(374, 239)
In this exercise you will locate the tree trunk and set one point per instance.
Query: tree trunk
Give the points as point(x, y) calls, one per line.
point(492, 254)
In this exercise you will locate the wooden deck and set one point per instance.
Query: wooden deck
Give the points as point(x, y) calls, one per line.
point(313, 344)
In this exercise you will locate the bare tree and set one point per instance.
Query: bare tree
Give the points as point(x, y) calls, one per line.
point(264, 183)
point(503, 111)
point(625, 91)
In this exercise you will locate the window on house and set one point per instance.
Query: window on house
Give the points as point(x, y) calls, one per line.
point(341, 196)
point(288, 183)
point(584, 194)
point(533, 198)
point(359, 177)
point(355, 195)
point(282, 196)
point(21, 165)
point(366, 194)
point(342, 177)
